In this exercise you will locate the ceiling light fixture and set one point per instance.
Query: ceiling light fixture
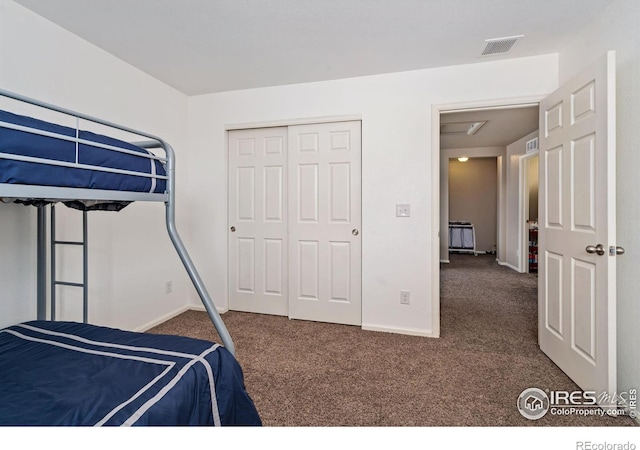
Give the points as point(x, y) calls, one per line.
point(468, 128)
point(463, 159)
point(474, 127)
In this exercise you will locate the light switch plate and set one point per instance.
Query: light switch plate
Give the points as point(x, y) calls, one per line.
point(403, 210)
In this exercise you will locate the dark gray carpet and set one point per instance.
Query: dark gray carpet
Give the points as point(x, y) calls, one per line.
point(303, 373)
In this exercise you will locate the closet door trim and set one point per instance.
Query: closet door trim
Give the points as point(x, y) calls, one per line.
point(293, 122)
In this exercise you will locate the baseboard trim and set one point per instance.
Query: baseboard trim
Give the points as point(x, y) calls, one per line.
point(202, 308)
point(510, 266)
point(147, 326)
point(407, 331)
point(154, 323)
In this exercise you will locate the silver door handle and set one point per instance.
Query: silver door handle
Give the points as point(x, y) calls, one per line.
point(599, 249)
point(619, 250)
point(355, 232)
point(233, 229)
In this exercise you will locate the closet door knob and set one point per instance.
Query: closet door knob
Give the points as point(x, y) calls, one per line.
point(233, 229)
point(355, 232)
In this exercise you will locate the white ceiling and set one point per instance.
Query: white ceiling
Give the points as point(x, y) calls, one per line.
point(203, 46)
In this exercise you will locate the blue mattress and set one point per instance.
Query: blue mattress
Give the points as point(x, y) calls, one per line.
point(24, 143)
point(67, 373)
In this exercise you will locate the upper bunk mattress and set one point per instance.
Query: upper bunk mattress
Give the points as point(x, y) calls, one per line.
point(31, 145)
point(68, 373)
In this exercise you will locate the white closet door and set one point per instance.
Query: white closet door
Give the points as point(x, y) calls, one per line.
point(324, 222)
point(258, 220)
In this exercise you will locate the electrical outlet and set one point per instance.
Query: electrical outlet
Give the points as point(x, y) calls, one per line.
point(403, 210)
point(168, 287)
point(405, 297)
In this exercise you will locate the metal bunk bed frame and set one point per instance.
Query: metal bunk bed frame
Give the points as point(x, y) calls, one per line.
point(63, 193)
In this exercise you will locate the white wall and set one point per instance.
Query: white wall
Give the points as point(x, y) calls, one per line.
point(616, 29)
point(397, 167)
point(130, 253)
point(17, 261)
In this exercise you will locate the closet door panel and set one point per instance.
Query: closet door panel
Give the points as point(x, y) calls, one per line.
point(258, 221)
point(325, 222)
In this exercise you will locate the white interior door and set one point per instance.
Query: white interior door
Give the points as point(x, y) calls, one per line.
point(258, 220)
point(324, 220)
point(577, 290)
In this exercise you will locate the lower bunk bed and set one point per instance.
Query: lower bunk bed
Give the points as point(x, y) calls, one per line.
point(75, 374)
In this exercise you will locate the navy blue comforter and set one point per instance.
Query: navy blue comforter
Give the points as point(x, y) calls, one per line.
point(67, 373)
point(24, 143)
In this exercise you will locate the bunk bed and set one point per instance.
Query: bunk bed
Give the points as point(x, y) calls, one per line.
point(71, 373)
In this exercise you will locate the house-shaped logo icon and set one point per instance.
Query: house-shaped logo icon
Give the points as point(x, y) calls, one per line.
point(533, 403)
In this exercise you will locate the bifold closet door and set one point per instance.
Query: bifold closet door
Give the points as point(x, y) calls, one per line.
point(258, 221)
point(324, 222)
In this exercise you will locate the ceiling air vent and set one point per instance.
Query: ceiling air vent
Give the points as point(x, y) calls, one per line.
point(499, 45)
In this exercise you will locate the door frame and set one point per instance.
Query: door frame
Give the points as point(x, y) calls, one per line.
point(436, 110)
point(523, 206)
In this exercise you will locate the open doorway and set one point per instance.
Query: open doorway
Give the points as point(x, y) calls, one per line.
point(473, 205)
point(498, 136)
point(529, 187)
point(500, 133)
point(572, 233)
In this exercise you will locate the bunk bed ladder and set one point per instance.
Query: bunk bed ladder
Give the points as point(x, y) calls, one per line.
point(85, 257)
